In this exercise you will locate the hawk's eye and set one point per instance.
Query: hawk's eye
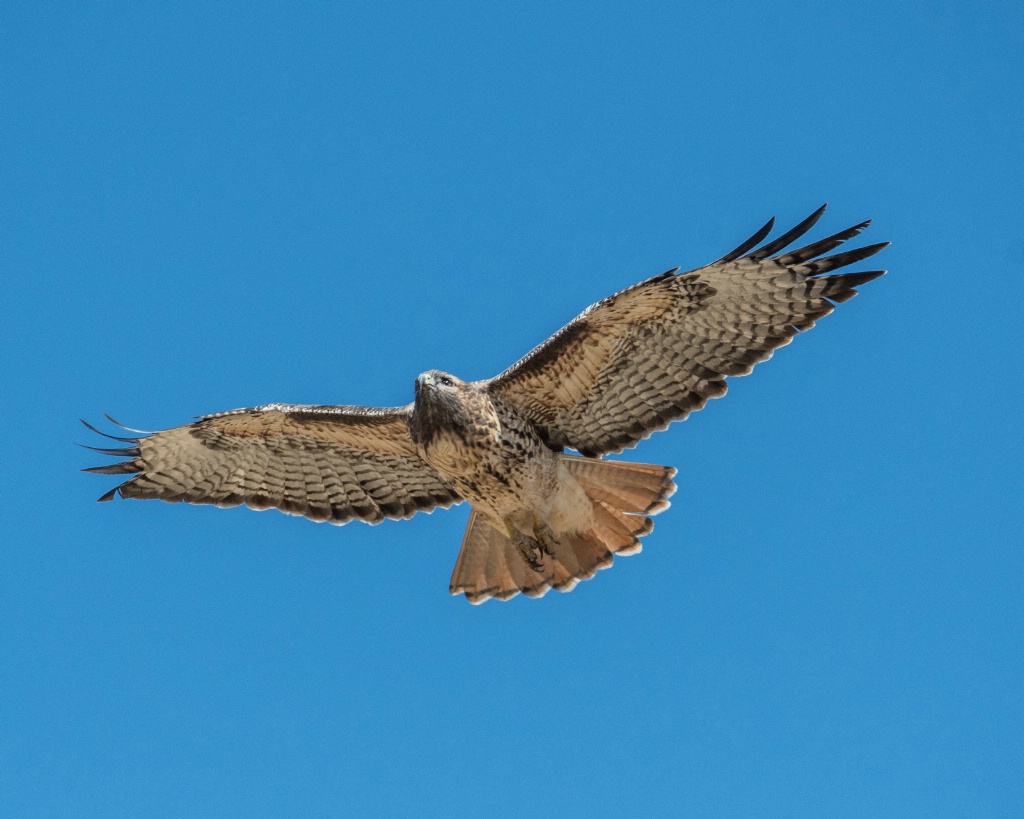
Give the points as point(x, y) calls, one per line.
point(444, 381)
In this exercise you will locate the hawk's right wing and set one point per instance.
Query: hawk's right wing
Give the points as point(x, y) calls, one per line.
point(326, 463)
point(656, 351)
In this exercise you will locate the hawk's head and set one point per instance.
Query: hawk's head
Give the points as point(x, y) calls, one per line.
point(444, 402)
point(436, 380)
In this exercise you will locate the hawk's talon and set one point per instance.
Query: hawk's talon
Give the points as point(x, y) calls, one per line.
point(532, 557)
point(532, 551)
point(545, 536)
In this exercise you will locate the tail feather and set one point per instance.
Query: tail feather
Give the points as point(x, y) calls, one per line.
point(523, 577)
point(622, 496)
point(620, 531)
point(482, 547)
point(496, 566)
point(640, 489)
point(489, 566)
point(591, 552)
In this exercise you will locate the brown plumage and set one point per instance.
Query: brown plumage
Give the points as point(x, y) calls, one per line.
point(626, 367)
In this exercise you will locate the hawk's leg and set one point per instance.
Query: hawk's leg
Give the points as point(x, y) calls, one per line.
point(532, 551)
point(545, 535)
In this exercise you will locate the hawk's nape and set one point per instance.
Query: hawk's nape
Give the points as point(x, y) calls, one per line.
point(657, 351)
point(324, 463)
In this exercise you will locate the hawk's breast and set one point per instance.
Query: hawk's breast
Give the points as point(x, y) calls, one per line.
point(453, 455)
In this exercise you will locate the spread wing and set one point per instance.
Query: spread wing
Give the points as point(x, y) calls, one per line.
point(326, 463)
point(656, 351)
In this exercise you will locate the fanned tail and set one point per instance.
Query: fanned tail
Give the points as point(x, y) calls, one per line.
point(622, 496)
point(639, 489)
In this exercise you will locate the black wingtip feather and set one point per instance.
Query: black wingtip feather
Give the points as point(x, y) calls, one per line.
point(125, 467)
point(118, 452)
point(115, 422)
point(108, 435)
point(858, 278)
point(122, 468)
point(802, 254)
point(841, 288)
point(788, 237)
point(819, 266)
point(752, 242)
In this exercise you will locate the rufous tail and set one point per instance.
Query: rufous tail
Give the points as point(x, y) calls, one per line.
point(623, 496)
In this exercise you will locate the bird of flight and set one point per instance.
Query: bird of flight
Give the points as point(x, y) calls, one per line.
point(541, 518)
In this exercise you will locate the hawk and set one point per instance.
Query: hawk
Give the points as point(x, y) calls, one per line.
point(541, 517)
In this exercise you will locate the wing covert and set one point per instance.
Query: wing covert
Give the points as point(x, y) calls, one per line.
point(326, 463)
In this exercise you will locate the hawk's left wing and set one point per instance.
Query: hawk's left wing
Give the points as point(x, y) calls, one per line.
point(326, 463)
point(656, 351)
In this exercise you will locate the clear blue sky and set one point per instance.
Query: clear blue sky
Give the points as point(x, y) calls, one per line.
point(208, 206)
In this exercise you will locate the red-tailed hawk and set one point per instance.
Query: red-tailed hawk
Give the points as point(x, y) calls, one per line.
point(624, 368)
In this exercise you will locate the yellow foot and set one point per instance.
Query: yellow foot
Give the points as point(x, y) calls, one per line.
point(532, 551)
point(545, 535)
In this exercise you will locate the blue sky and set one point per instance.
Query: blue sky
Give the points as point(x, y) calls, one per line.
point(209, 206)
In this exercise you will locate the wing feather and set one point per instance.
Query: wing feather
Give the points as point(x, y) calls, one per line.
point(325, 463)
point(788, 237)
point(656, 351)
point(750, 243)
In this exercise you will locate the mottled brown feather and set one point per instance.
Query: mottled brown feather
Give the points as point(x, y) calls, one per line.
point(325, 463)
point(654, 352)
